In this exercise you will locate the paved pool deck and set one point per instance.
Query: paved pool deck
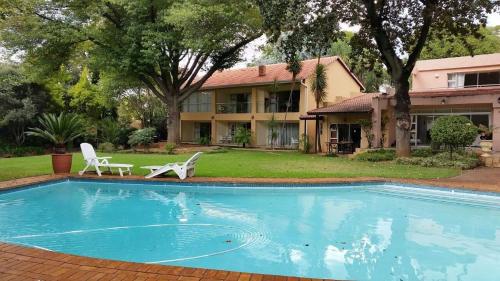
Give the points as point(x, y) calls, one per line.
point(22, 263)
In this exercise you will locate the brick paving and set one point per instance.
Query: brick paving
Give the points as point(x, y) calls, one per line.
point(22, 263)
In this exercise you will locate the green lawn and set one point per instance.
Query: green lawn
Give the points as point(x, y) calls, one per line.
point(237, 163)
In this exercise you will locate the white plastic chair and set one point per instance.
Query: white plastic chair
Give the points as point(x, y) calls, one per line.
point(182, 169)
point(92, 160)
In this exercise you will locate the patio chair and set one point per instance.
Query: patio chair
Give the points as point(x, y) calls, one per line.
point(182, 169)
point(92, 160)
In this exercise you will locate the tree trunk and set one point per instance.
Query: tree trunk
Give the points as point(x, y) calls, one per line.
point(174, 122)
point(403, 120)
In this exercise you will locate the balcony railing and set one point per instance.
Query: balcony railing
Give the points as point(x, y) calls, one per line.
point(196, 107)
point(263, 107)
point(232, 107)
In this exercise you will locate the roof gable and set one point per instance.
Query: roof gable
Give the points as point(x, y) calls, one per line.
point(250, 75)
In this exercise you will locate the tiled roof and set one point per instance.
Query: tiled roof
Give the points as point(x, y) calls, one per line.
point(458, 62)
point(362, 103)
point(457, 92)
point(250, 75)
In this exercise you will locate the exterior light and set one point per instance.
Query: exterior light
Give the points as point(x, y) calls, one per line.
point(443, 101)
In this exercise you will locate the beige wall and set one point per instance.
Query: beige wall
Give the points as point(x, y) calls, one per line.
point(340, 86)
point(435, 79)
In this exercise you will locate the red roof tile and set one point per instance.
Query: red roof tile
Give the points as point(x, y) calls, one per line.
point(362, 103)
point(250, 75)
point(457, 92)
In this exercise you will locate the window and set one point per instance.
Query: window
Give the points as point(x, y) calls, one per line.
point(473, 79)
point(198, 102)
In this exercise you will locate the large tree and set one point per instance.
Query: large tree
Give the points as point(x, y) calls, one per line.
point(172, 47)
point(399, 31)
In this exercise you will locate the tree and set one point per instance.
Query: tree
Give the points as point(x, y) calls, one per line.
point(454, 46)
point(163, 44)
point(453, 132)
point(398, 36)
point(21, 100)
point(318, 88)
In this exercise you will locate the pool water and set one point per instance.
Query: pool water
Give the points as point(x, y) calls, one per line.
point(362, 232)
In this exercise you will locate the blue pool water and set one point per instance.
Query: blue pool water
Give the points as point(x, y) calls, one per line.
point(362, 232)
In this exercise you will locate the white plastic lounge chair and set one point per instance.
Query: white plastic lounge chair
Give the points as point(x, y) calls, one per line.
point(92, 160)
point(182, 169)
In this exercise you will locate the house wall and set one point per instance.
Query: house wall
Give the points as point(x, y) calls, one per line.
point(438, 78)
point(340, 86)
point(342, 118)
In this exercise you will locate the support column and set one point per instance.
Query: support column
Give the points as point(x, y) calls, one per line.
point(376, 119)
point(495, 119)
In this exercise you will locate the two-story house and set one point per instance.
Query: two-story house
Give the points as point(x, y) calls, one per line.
point(250, 97)
point(468, 86)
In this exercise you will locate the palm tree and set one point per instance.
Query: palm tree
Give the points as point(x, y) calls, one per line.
point(294, 66)
point(318, 87)
point(58, 129)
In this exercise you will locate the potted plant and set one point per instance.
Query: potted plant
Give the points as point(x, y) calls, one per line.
point(60, 130)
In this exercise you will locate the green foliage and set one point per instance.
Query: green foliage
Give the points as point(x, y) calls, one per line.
point(319, 84)
point(85, 97)
point(106, 147)
point(109, 131)
point(123, 135)
point(306, 145)
point(144, 137)
point(21, 100)
point(453, 46)
point(272, 125)
point(204, 141)
point(460, 160)
point(242, 136)
point(139, 104)
point(170, 148)
point(58, 129)
point(18, 151)
point(366, 126)
point(453, 132)
point(422, 152)
point(376, 155)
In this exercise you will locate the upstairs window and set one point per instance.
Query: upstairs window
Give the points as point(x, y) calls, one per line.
point(198, 102)
point(474, 79)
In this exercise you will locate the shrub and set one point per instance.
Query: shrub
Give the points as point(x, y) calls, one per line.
point(144, 137)
point(170, 147)
point(106, 147)
point(242, 136)
point(306, 145)
point(376, 155)
point(453, 132)
point(204, 141)
point(123, 136)
point(422, 152)
point(460, 160)
point(18, 151)
point(109, 131)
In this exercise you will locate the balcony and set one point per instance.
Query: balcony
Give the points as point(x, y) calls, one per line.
point(233, 107)
point(278, 102)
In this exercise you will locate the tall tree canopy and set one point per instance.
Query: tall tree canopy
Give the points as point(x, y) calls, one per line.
point(398, 30)
point(172, 47)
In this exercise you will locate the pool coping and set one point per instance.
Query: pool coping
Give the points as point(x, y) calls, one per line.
point(25, 263)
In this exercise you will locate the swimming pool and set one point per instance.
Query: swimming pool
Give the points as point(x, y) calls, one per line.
point(355, 231)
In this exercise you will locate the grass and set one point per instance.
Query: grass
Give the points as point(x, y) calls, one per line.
point(238, 163)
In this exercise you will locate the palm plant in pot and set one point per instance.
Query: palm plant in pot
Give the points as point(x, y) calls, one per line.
point(59, 130)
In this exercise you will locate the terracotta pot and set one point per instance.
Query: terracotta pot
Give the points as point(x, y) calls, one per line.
point(61, 163)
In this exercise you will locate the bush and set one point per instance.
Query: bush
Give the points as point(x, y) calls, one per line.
point(170, 147)
point(306, 145)
point(18, 151)
point(109, 131)
point(204, 141)
point(453, 132)
point(144, 137)
point(376, 155)
point(422, 152)
point(106, 147)
point(460, 160)
point(123, 136)
point(242, 136)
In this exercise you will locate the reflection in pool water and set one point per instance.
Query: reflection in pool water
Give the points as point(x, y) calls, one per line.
point(364, 232)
